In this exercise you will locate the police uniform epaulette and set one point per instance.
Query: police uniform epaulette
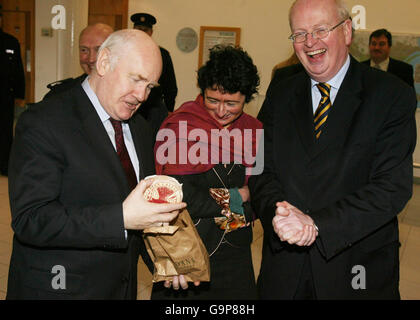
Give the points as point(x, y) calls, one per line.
point(60, 82)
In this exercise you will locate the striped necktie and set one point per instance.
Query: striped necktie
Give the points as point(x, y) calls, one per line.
point(321, 113)
point(123, 154)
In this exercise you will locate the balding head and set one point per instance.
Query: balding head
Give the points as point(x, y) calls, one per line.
point(123, 42)
point(322, 57)
point(342, 11)
point(91, 38)
point(129, 65)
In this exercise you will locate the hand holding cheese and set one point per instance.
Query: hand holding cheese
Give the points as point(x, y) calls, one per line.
point(139, 213)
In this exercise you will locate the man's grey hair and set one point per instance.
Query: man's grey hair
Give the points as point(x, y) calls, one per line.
point(342, 11)
point(117, 44)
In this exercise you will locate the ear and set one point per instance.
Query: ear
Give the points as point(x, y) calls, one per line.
point(103, 64)
point(348, 32)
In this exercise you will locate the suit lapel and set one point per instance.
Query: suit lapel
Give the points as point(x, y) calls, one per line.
point(344, 108)
point(136, 133)
point(391, 66)
point(98, 139)
point(303, 113)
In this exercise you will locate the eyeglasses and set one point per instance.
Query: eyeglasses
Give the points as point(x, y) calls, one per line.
point(319, 33)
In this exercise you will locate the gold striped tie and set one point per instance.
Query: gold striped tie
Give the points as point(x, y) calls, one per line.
point(321, 113)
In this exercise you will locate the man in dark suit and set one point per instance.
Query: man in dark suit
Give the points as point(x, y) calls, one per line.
point(12, 87)
point(380, 43)
point(287, 71)
point(76, 209)
point(337, 168)
point(90, 40)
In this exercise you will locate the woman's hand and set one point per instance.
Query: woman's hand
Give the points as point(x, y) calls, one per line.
point(244, 192)
point(178, 281)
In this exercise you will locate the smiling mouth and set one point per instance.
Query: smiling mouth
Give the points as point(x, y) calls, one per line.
point(316, 52)
point(225, 117)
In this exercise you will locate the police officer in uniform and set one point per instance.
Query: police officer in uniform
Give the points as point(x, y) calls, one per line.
point(12, 86)
point(167, 81)
point(90, 40)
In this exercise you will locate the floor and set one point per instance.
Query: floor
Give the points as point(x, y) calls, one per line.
point(409, 250)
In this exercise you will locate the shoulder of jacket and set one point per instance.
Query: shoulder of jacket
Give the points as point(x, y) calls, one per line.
point(9, 37)
point(54, 84)
point(400, 63)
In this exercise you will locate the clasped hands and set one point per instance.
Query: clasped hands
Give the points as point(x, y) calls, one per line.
point(293, 226)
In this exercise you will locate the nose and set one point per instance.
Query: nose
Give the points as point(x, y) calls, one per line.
point(310, 40)
point(141, 92)
point(221, 110)
point(92, 57)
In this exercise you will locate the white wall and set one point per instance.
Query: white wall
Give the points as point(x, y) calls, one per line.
point(45, 48)
point(57, 57)
point(263, 32)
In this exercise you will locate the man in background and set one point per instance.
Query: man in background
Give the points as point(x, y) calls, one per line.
point(90, 40)
point(168, 88)
point(12, 89)
point(380, 43)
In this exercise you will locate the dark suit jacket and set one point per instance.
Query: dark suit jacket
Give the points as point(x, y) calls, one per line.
point(167, 81)
point(12, 85)
point(63, 85)
point(402, 70)
point(66, 187)
point(353, 182)
point(154, 110)
point(288, 71)
point(12, 76)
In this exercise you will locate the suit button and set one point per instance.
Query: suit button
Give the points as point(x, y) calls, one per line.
point(124, 279)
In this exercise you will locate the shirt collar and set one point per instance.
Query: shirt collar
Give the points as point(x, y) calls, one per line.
point(103, 115)
point(382, 65)
point(335, 82)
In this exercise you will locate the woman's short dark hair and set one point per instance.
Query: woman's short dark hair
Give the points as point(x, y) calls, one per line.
point(229, 69)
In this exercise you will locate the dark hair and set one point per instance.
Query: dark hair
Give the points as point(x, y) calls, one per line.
point(381, 32)
point(229, 69)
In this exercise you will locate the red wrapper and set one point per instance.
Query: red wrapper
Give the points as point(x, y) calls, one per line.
point(164, 189)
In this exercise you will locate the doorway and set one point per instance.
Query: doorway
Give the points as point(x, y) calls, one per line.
point(111, 12)
point(19, 21)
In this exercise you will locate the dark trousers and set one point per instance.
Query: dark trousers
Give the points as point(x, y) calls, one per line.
point(306, 288)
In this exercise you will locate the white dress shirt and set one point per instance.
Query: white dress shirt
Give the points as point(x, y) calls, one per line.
point(103, 115)
point(381, 65)
point(335, 84)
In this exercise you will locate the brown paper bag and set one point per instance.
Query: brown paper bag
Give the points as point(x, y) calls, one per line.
point(177, 249)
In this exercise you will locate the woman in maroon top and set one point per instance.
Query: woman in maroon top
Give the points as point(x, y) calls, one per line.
point(193, 146)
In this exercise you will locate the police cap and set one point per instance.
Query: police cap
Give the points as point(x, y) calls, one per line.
point(143, 19)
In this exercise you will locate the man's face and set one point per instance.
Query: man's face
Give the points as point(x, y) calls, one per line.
point(322, 58)
point(128, 84)
point(224, 107)
point(379, 48)
point(89, 44)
